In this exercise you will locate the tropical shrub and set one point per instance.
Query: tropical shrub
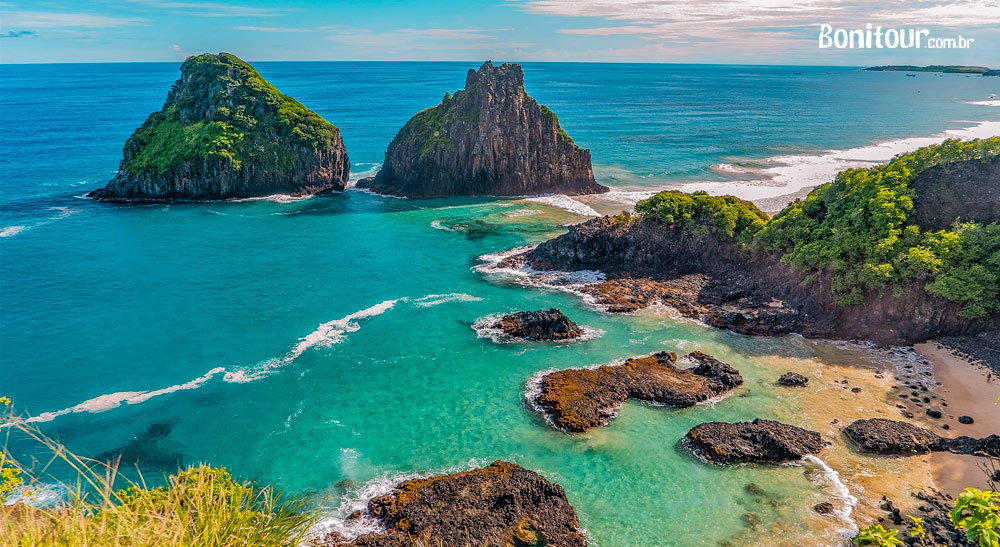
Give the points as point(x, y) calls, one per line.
point(978, 514)
point(876, 535)
point(728, 216)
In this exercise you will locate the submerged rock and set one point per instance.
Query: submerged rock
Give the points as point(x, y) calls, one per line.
point(491, 138)
point(793, 379)
point(759, 441)
point(502, 504)
point(539, 325)
point(890, 437)
point(580, 399)
point(224, 132)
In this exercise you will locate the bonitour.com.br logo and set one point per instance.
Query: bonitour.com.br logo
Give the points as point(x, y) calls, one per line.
point(873, 37)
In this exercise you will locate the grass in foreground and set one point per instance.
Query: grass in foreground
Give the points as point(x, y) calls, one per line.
point(199, 506)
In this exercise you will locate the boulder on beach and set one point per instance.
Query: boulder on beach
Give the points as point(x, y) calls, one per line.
point(579, 399)
point(758, 441)
point(224, 132)
point(502, 504)
point(491, 139)
point(538, 325)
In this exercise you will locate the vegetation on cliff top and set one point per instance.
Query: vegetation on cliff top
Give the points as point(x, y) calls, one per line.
point(221, 108)
point(725, 215)
point(859, 229)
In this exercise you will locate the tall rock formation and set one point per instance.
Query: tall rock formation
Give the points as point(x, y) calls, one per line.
point(491, 138)
point(224, 132)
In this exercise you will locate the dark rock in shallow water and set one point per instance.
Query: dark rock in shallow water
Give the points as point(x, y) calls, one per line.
point(933, 413)
point(824, 508)
point(489, 139)
point(580, 399)
point(539, 325)
point(793, 379)
point(889, 437)
point(502, 504)
point(967, 420)
point(224, 132)
point(759, 441)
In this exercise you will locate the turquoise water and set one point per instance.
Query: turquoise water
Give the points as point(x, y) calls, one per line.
point(327, 344)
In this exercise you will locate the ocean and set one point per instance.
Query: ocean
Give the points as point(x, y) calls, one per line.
point(332, 345)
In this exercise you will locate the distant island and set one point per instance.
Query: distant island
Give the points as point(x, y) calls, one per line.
point(947, 69)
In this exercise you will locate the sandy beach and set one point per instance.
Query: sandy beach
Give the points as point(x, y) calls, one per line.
point(968, 390)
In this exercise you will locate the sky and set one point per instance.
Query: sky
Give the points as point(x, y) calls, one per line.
point(661, 31)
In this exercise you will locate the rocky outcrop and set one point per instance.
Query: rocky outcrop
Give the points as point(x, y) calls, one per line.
point(539, 325)
point(501, 505)
point(759, 441)
point(967, 190)
point(224, 132)
point(491, 138)
point(712, 279)
point(793, 379)
point(890, 437)
point(579, 399)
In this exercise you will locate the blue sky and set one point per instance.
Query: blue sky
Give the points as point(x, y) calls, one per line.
point(671, 31)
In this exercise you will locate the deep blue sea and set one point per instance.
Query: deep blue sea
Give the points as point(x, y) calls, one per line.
point(328, 344)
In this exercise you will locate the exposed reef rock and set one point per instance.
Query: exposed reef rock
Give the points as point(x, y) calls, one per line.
point(759, 441)
point(793, 379)
point(491, 138)
point(539, 325)
point(580, 399)
point(224, 132)
point(501, 505)
point(889, 437)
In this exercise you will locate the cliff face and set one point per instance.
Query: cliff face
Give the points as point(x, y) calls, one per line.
point(489, 139)
point(967, 190)
point(224, 132)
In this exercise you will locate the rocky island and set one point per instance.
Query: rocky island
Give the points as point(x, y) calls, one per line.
point(502, 504)
point(869, 256)
point(539, 325)
point(491, 139)
point(577, 400)
point(947, 69)
point(224, 132)
point(757, 441)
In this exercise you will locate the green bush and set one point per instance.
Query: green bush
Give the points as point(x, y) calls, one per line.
point(978, 514)
point(876, 535)
point(725, 215)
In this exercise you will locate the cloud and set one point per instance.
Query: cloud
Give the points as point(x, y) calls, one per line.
point(19, 34)
point(726, 16)
point(273, 29)
point(214, 9)
point(175, 47)
point(58, 20)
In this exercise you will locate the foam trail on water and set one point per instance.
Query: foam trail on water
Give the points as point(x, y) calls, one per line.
point(843, 501)
point(61, 213)
point(565, 202)
point(109, 401)
point(438, 299)
point(325, 335)
point(356, 175)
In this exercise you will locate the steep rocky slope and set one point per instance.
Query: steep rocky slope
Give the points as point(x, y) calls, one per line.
point(224, 132)
point(491, 138)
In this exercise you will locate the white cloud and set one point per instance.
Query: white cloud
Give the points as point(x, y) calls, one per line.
point(273, 29)
point(214, 9)
point(57, 20)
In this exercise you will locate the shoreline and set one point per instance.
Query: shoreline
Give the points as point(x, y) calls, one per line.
point(783, 178)
point(965, 388)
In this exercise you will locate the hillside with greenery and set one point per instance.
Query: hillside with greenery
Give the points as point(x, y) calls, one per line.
point(222, 108)
point(860, 230)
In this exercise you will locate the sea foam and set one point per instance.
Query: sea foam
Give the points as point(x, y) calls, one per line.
point(565, 202)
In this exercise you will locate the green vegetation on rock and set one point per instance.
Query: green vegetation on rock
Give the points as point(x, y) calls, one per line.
point(859, 229)
point(222, 109)
point(560, 131)
point(724, 215)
